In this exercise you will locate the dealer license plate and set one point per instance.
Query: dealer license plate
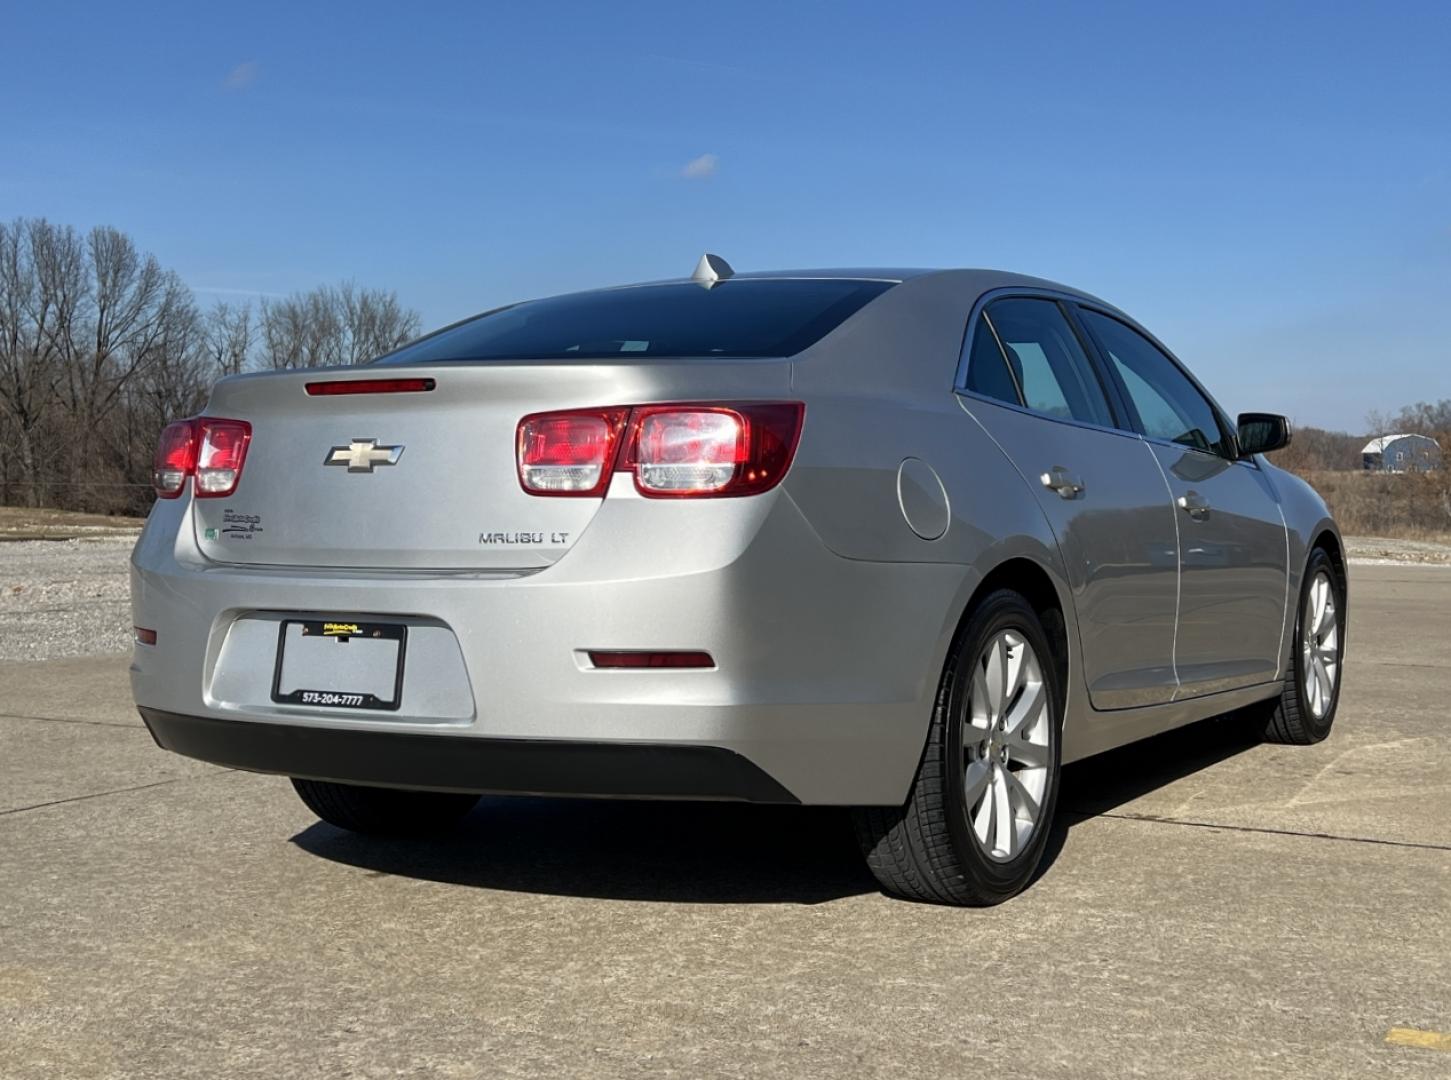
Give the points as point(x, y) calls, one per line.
point(340, 664)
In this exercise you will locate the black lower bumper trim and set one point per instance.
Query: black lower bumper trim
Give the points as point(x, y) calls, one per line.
point(454, 763)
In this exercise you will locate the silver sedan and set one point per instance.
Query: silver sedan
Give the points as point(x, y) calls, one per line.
point(900, 540)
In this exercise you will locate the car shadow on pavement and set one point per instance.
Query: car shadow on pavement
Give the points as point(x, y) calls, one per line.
point(722, 852)
point(716, 853)
point(1102, 784)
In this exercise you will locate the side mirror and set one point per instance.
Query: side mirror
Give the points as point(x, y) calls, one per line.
point(1259, 433)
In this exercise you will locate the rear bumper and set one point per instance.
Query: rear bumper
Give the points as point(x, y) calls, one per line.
point(825, 670)
point(486, 766)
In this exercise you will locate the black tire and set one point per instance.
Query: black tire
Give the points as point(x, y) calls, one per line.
point(376, 810)
point(1288, 718)
point(926, 850)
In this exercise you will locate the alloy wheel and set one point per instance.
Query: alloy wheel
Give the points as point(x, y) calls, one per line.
point(1005, 738)
point(1320, 645)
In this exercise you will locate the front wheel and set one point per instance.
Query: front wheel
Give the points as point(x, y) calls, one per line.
point(362, 809)
point(1305, 709)
point(974, 828)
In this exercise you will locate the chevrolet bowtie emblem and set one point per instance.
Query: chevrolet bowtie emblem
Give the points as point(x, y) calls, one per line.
point(361, 455)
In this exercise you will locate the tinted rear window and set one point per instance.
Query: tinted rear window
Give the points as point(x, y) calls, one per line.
point(740, 318)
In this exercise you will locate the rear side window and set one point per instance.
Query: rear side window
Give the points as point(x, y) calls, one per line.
point(1047, 362)
point(737, 318)
point(1169, 405)
point(987, 368)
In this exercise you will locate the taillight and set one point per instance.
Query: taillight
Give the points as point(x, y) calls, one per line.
point(569, 453)
point(674, 451)
point(222, 450)
point(175, 458)
point(207, 448)
point(695, 450)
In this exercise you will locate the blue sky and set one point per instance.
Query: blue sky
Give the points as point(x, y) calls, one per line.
point(1267, 187)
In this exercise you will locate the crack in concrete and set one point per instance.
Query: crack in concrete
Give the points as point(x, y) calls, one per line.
point(1153, 819)
point(74, 720)
point(97, 795)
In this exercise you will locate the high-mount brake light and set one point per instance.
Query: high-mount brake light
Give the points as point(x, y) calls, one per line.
point(336, 387)
point(674, 451)
point(569, 453)
point(207, 448)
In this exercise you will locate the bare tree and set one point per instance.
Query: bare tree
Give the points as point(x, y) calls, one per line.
point(330, 326)
point(130, 299)
point(41, 285)
point(228, 337)
point(374, 322)
point(100, 346)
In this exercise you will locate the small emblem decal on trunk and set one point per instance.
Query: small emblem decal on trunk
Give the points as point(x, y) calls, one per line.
point(362, 455)
point(237, 526)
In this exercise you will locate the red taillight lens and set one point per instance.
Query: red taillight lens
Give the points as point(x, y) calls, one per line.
point(569, 453)
point(222, 450)
point(334, 387)
point(678, 451)
point(702, 450)
point(206, 447)
point(675, 451)
point(175, 458)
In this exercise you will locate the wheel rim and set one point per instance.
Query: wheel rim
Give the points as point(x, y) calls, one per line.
point(1320, 645)
point(1005, 738)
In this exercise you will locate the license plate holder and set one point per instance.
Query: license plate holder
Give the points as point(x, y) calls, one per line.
point(313, 669)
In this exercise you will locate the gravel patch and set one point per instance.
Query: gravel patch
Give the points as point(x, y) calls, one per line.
point(1373, 550)
point(62, 598)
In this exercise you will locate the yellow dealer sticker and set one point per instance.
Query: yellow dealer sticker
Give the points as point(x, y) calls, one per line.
point(333, 629)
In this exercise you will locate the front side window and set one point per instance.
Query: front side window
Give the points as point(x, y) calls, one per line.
point(742, 317)
point(1169, 405)
point(1046, 361)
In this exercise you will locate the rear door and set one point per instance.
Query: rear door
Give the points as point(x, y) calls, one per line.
point(1232, 537)
point(1029, 383)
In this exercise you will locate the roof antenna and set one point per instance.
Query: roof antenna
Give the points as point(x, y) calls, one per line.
point(711, 271)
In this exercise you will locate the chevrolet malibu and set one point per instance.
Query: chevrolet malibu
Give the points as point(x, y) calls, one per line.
point(904, 541)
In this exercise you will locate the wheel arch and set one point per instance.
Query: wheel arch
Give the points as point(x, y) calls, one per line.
point(1031, 580)
point(1029, 570)
point(1328, 540)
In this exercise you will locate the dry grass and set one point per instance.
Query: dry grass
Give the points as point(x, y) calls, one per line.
point(23, 523)
point(1408, 506)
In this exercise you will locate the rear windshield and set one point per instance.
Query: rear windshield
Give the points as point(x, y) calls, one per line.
point(740, 318)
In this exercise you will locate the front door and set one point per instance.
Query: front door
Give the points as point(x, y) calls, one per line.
point(1232, 538)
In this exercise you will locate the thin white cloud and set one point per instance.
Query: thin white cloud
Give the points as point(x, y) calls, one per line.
point(241, 76)
point(701, 167)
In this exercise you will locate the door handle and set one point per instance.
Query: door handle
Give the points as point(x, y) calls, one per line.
point(1062, 481)
point(1195, 505)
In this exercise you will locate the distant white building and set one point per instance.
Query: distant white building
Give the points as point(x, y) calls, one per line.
point(1401, 453)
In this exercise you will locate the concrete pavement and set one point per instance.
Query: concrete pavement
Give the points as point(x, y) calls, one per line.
point(1212, 908)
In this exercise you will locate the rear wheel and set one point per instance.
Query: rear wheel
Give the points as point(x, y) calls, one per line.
point(974, 828)
point(1305, 709)
point(383, 810)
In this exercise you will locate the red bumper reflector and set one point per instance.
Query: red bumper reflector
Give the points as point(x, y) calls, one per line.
point(144, 636)
point(334, 387)
point(651, 659)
